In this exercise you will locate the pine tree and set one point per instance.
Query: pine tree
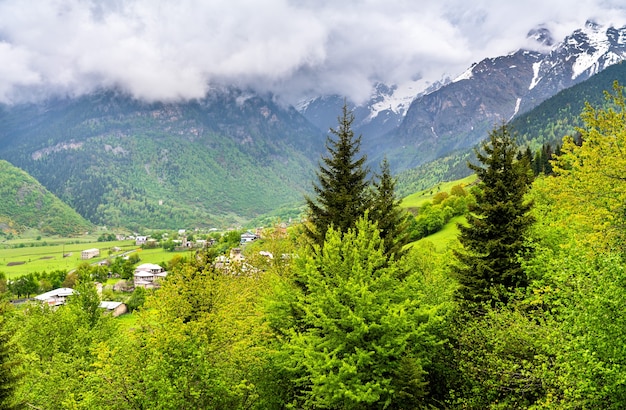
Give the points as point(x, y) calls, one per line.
point(392, 220)
point(342, 194)
point(488, 266)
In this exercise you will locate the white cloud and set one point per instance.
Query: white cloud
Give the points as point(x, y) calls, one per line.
point(171, 50)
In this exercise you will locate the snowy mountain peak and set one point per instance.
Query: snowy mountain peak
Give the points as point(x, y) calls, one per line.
point(541, 36)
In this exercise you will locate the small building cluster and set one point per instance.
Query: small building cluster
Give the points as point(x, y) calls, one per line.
point(58, 297)
point(148, 275)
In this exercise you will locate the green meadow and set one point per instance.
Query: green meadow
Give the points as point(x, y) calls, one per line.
point(27, 258)
point(417, 199)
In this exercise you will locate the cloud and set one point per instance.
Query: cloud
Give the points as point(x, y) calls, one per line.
point(171, 50)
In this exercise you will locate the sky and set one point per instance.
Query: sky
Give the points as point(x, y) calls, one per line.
point(176, 50)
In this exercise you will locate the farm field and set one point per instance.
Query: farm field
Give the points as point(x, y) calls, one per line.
point(67, 256)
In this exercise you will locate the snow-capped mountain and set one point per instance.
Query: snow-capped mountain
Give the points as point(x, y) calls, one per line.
point(382, 113)
point(495, 90)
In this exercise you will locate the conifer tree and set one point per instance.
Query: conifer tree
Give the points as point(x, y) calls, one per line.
point(392, 220)
point(488, 267)
point(341, 194)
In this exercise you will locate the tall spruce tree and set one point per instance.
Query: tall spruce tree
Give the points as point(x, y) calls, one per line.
point(488, 267)
point(392, 220)
point(342, 192)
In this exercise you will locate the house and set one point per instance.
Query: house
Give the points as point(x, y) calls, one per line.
point(90, 253)
point(248, 237)
point(148, 275)
point(55, 297)
point(140, 240)
point(114, 308)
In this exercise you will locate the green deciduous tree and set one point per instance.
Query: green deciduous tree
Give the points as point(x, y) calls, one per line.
point(488, 267)
point(341, 194)
point(9, 361)
point(592, 173)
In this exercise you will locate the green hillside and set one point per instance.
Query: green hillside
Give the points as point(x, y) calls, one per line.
point(27, 204)
point(222, 160)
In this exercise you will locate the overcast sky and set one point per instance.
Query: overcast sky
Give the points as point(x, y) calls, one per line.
point(170, 50)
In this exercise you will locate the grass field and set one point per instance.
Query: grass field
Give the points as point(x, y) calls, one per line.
point(417, 199)
point(445, 237)
point(67, 256)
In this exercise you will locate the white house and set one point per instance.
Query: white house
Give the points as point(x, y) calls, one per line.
point(248, 237)
point(90, 253)
point(140, 240)
point(147, 275)
point(55, 297)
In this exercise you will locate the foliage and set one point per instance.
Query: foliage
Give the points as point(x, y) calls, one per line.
point(432, 217)
point(196, 346)
point(356, 335)
point(390, 218)
point(9, 361)
point(590, 173)
point(137, 299)
point(341, 194)
point(488, 268)
point(56, 346)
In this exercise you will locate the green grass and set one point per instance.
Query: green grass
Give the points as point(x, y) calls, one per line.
point(445, 237)
point(417, 199)
point(127, 322)
point(29, 259)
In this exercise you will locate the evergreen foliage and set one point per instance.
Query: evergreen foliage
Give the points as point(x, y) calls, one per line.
point(391, 219)
point(27, 204)
point(488, 267)
point(358, 337)
point(342, 194)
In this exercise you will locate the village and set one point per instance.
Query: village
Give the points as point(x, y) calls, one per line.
point(149, 276)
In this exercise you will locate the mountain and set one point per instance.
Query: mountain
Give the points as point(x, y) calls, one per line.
point(380, 114)
point(27, 204)
point(416, 123)
point(495, 90)
point(559, 115)
point(212, 162)
point(547, 123)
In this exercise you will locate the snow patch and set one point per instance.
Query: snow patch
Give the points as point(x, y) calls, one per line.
point(536, 78)
point(399, 99)
point(517, 104)
point(599, 43)
point(468, 74)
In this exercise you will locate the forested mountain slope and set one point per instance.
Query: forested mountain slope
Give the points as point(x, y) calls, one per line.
point(27, 204)
point(121, 162)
